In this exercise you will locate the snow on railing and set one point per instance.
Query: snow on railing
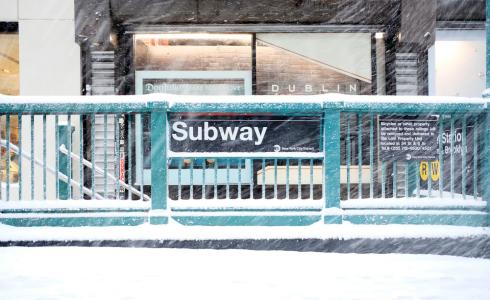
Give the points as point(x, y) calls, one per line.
point(344, 148)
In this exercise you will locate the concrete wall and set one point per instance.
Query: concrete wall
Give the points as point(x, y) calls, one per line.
point(49, 65)
point(9, 11)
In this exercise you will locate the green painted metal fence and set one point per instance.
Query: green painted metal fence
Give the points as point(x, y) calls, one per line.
point(49, 175)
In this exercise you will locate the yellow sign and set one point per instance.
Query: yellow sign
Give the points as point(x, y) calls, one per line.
point(435, 170)
point(424, 170)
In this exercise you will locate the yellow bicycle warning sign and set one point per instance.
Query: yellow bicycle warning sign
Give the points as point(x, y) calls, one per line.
point(435, 171)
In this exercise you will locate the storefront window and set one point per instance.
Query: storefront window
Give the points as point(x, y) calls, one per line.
point(314, 63)
point(9, 85)
point(193, 64)
point(286, 63)
point(9, 64)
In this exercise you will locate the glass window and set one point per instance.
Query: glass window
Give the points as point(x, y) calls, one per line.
point(193, 64)
point(457, 63)
point(313, 63)
point(9, 63)
point(9, 85)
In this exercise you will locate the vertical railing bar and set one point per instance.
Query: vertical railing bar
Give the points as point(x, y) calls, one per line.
point(359, 156)
point(142, 165)
point(407, 167)
point(463, 158)
point(299, 178)
point(475, 159)
point(371, 156)
point(179, 180)
point(395, 178)
point(118, 154)
point(287, 178)
point(252, 179)
point(347, 150)
point(441, 157)
point(227, 178)
point(32, 158)
point(239, 178)
point(417, 181)
point(130, 154)
point(8, 159)
point(44, 158)
point(263, 178)
point(311, 179)
point(1, 165)
point(105, 159)
point(80, 121)
point(383, 179)
point(215, 178)
point(1, 159)
point(69, 157)
point(203, 187)
point(429, 179)
point(452, 156)
point(191, 184)
point(275, 178)
point(19, 116)
point(92, 151)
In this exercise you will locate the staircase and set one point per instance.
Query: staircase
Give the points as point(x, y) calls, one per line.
point(103, 84)
point(406, 74)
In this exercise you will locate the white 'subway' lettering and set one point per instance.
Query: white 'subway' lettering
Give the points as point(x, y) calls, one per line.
point(182, 132)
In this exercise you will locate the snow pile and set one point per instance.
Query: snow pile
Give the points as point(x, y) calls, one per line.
point(172, 99)
point(74, 204)
point(134, 273)
point(175, 231)
point(413, 203)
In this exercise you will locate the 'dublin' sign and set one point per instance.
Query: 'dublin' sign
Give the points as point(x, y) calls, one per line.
point(244, 133)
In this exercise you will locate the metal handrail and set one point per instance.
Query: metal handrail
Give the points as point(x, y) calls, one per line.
point(90, 165)
point(61, 176)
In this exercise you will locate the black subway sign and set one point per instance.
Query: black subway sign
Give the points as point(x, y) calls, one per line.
point(244, 133)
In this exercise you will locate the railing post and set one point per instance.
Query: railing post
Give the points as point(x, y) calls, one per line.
point(485, 185)
point(331, 165)
point(488, 43)
point(412, 178)
point(158, 127)
point(485, 175)
point(64, 138)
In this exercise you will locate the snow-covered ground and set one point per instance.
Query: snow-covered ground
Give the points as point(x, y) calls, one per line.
point(176, 231)
point(138, 273)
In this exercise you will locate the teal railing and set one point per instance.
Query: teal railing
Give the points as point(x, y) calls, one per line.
point(57, 151)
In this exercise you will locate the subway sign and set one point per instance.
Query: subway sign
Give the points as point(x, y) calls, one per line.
point(197, 133)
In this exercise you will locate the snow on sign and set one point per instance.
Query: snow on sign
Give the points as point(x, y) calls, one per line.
point(408, 137)
point(244, 133)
